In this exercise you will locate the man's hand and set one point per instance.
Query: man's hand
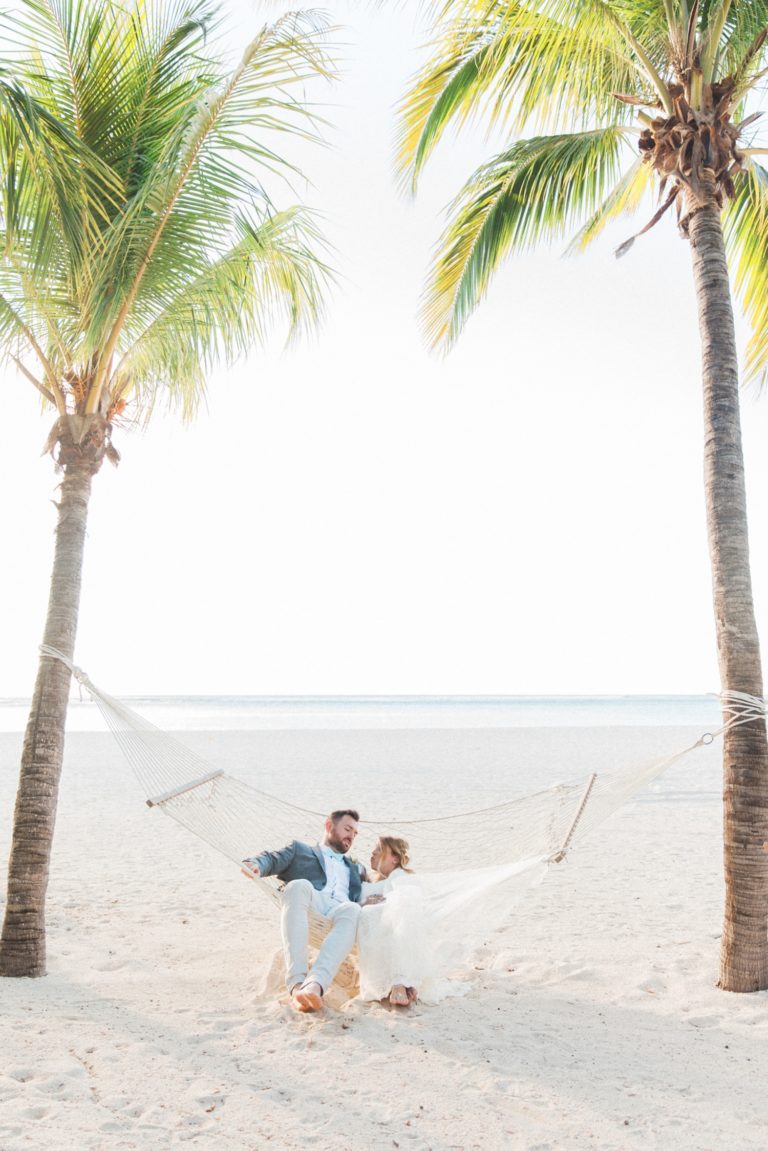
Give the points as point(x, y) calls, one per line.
point(250, 869)
point(373, 899)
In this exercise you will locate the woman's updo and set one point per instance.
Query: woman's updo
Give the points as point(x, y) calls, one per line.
point(399, 848)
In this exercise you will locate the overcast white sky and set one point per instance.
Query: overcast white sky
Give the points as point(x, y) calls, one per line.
point(358, 516)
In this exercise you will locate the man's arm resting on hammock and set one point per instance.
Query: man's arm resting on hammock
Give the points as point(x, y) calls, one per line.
point(269, 862)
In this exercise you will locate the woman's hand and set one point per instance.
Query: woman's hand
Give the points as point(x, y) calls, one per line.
point(373, 899)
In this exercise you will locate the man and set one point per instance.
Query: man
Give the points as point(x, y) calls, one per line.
point(319, 879)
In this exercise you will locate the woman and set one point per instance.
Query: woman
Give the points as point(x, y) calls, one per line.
point(415, 930)
point(391, 936)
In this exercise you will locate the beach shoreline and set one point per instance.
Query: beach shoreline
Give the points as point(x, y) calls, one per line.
point(592, 1018)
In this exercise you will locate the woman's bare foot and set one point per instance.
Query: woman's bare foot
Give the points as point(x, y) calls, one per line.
point(308, 997)
point(398, 996)
point(412, 993)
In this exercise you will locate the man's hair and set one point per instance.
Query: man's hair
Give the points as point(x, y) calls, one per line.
point(335, 816)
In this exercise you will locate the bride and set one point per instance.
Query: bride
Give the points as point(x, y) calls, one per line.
point(415, 930)
point(393, 933)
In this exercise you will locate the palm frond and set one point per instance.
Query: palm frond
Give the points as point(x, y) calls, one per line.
point(77, 61)
point(563, 65)
point(447, 89)
point(165, 81)
point(625, 197)
point(132, 164)
point(217, 155)
point(17, 336)
point(717, 15)
point(537, 190)
point(39, 151)
point(553, 64)
point(743, 24)
point(745, 226)
point(749, 68)
point(272, 275)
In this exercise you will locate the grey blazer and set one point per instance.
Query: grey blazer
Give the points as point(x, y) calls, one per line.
point(302, 861)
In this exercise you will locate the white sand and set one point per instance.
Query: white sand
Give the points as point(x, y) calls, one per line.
point(593, 1020)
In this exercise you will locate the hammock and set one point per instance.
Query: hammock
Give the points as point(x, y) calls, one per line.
point(521, 837)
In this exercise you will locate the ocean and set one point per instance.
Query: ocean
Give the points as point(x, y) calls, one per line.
point(277, 713)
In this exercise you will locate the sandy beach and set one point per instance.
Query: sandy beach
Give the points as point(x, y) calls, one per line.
point(592, 1020)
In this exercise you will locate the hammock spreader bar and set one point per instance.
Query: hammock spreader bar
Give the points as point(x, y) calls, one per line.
point(159, 800)
point(559, 856)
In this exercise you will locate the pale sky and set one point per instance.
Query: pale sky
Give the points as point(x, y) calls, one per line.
point(358, 515)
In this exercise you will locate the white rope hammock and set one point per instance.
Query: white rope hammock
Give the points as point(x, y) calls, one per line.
point(234, 817)
point(517, 838)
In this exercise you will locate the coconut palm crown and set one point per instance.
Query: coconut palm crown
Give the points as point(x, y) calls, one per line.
point(152, 250)
point(605, 99)
point(620, 95)
point(140, 243)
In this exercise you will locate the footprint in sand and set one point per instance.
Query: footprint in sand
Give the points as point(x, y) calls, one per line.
point(54, 1086)
point(562, 971)
point(653, 986)
point(115, 1103)
point(192, 1121)
point(211, 1103)
point(222, 1024)
point(112, 1127)
point(35, 1112)
point(704, 1021)
point(20, 1074)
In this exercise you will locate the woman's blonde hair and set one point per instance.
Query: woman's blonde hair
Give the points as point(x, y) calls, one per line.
point(399, 848)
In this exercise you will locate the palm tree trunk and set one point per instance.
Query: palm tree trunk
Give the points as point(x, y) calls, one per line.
point(744, 951)
point(22, 947)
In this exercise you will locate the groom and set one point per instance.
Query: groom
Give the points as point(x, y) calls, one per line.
point(319, 879)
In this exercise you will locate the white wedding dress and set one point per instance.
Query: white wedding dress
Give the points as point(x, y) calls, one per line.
point(397, 942)
point(431, 923)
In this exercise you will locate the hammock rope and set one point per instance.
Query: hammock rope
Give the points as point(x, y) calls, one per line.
point(240, 820)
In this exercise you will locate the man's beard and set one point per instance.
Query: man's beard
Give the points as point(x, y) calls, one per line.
point(336, 844)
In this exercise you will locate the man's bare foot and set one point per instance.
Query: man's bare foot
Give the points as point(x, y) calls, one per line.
point(398, 996)
point(308, 998)
point(412, 993)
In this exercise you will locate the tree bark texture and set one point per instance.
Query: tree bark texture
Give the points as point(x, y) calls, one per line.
point(744, 950)
point(22, 947)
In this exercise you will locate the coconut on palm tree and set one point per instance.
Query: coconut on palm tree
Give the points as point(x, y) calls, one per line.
point(604, 99)
point(140, 244)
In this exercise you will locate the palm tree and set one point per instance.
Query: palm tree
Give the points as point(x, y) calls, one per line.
point(140, 245)
point(612, 97)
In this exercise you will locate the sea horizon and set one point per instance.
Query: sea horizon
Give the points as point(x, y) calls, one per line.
point(251, 712)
